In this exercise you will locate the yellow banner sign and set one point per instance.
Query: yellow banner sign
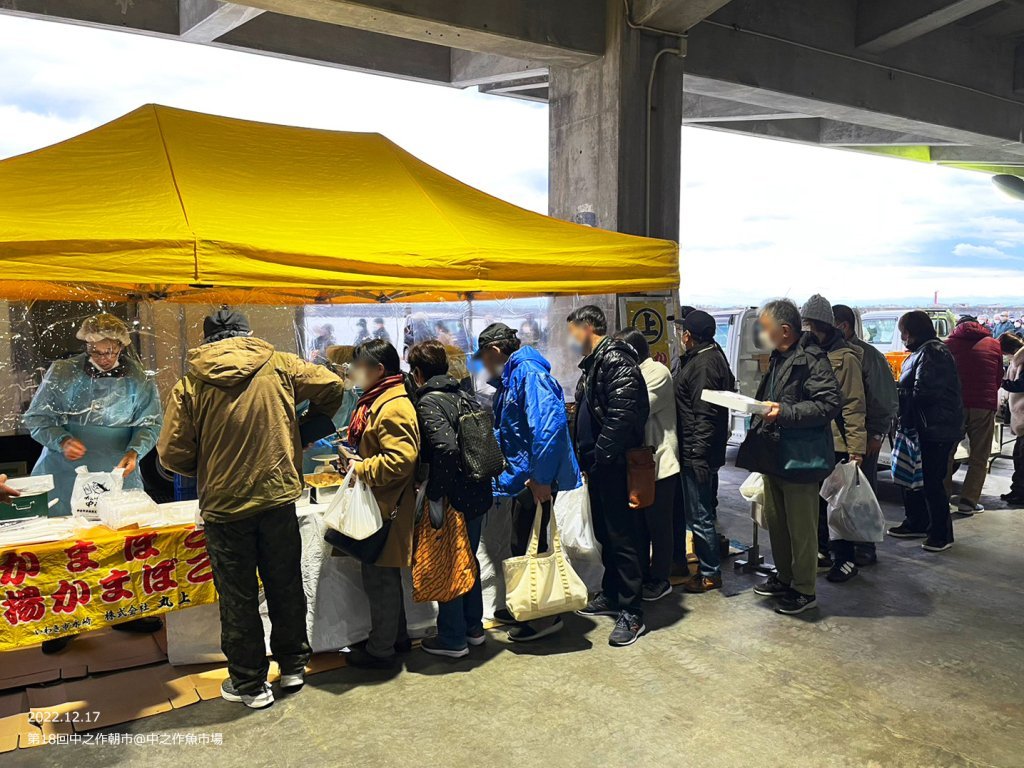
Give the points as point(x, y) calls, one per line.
point(649, 315)
point(102, 577)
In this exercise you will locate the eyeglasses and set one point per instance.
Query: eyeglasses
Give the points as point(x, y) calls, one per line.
point(102, 353)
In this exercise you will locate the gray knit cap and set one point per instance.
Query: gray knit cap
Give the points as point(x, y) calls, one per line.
point(818, 308)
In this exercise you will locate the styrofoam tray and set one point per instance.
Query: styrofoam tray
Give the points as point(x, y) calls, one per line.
point(734, 401)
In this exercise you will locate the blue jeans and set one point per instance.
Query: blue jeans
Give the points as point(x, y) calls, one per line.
point(699, 505)
point(465, 613)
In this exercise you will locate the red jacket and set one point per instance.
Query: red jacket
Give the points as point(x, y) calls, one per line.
point(979, 361)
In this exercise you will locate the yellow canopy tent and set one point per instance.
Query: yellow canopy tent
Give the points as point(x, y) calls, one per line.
point(168, 204)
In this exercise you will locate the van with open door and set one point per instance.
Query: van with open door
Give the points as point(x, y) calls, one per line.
point(736, 333)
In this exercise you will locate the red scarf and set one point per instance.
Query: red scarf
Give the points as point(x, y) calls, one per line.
point(361, 415)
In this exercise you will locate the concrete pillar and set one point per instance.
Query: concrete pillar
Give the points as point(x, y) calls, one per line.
point(598, 135)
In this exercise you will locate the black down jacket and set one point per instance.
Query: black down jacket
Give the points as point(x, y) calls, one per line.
point(929, 388)
point(438, 410)
point(703, 428)
point(614, 387)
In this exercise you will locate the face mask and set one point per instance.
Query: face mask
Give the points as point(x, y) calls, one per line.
point(578, 348)
point(765, 340)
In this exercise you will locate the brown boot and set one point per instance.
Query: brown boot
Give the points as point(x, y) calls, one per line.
point(698, 584)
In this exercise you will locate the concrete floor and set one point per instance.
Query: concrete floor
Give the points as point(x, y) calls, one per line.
point(917, 662)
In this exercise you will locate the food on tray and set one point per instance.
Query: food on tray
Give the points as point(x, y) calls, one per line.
point(324, 479)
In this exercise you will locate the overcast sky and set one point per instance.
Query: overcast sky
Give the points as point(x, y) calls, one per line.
point(759, 218)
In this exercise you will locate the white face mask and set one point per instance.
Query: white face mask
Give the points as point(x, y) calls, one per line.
point(765, 340)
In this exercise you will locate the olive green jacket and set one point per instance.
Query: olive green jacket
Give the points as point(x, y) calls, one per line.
point(231, 423)
point(847, 365)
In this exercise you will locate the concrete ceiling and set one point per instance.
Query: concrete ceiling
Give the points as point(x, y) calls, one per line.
point(932, 76)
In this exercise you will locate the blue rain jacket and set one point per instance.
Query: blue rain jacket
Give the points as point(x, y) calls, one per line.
point(531, 425)
point(326, 445)
point(111, 414)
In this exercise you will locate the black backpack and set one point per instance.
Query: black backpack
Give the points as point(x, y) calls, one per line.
point(478, 447)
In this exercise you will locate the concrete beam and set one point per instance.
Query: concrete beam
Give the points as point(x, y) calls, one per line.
point(836, 133)
point(978, 155)
point(470, 69)
point(708, 109)
point(567, 33)
point(1000, 22)
point(304, 40)
point(823, 132)
point(803, 130)
point(672, 15)
point(203, 21)
point(148, 17)
point(885, 24)
point(745, 66)
point(511, 86)
point(536, 93)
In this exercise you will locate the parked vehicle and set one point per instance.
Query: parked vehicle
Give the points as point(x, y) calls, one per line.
point(737, 334)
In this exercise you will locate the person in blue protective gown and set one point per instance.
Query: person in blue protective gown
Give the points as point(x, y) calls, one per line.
point(338, 359)
point(96, 409)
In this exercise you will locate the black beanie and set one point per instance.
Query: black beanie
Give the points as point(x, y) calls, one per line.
point(224, 324)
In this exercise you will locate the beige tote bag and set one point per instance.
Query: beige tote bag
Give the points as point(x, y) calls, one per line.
point(542, 585)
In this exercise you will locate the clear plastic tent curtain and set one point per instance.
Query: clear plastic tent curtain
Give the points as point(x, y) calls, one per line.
point(33, 335)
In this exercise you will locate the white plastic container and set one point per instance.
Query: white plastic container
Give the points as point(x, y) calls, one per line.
point(734, 401)
point(120, 509)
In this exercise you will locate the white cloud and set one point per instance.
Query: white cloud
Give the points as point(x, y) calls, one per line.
point(969, 251)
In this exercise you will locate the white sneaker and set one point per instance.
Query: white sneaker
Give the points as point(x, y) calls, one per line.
point(966, 508)
point(293, 682)
point(260, 700)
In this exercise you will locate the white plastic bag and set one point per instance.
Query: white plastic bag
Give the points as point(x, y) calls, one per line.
point(854, 513)
point(575, 525)
point(752, 489)
point(89, 487)
point(354, 511)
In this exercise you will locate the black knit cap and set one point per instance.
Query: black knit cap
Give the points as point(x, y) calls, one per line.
point(224, 324)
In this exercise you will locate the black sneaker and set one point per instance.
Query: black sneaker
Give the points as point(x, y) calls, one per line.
point(656, 591)
point(144, 626)
point(841, 572)
point(535, 630)
point(359, 658)
point(863, 556)
point(796, 602)
point(824, 561)
point(904, 531)
point(504, 616)
point(771, 588)
point(936, 546)
point(57, 644)
point(599, 606)
point(628, 628)
point(1013, 498)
